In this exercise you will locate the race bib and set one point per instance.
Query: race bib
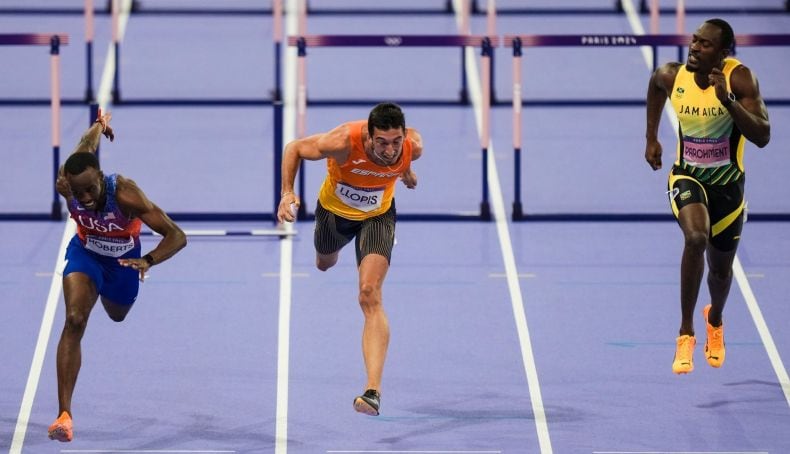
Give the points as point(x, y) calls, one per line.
point(110, 247)
point(363, 199)
point(706, 153)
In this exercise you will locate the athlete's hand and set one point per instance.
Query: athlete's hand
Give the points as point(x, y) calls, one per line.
point(104, 121)
point(717, 80)
point(62, 185)
point(653, 154)
point(409, 178)
point(140, 264)
point(289, 205)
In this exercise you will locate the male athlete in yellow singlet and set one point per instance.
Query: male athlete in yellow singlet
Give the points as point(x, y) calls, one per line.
point(718, 104)
point(365, 159)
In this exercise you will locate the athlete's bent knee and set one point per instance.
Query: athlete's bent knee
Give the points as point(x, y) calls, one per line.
point(117, 317)
point(76, 322)
point(697, 240)
point(324, 262)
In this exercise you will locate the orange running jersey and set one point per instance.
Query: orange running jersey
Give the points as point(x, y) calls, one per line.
point(360, 189)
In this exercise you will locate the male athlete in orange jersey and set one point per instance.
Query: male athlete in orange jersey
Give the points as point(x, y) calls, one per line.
point(103, 258)
point(364, 161)
point(719, 107)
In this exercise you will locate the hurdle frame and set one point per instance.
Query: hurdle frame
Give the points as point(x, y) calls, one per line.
point(276, 12)
point(54, 41)
point(64, 40)
point(517, 42)
point(485, 43)
point(139, 8)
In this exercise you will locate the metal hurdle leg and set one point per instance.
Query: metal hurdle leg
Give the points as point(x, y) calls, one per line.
point(518, 211)
point(485, 63)
point(116, 86)
point(89, 32)
point(55, 102)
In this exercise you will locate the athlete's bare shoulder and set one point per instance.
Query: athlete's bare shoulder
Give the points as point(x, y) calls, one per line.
point(130, 197)
point(336, 143)
point(664, 76)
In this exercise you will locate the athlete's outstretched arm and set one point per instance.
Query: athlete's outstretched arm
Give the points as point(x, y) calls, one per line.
point(88, 142)
point(134, 203)
point(657, 93)
point(335, 144)
point(90, 139)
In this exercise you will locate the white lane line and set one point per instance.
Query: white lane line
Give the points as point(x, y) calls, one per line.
point(69, 230)
point(278, 274)
point(680, 452)
point(520, 275)
point(145, 451)
point(416, 452)
point(286, 244)
point(500, 218)
point(44, 332)
point(762, 328)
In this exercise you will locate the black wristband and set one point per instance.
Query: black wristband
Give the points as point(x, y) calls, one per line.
point(148, 258)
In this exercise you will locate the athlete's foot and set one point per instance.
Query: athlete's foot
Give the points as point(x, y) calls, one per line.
point(61, 429)
point(714, 344)
point(368, 403)
point(684, 361)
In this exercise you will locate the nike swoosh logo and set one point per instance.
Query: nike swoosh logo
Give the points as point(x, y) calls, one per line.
point(358, 161)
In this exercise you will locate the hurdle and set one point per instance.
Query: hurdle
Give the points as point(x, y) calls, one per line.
point(518, 42)
point(653, 8)
point(618, 8)
point(276, 12)
point(464, 13)
point(485, 43)
point(54, 41)
point(214, 233)
point(89, 33)
point(615, 9)
point(88, 12)
point(46, 101)
point(780, 8)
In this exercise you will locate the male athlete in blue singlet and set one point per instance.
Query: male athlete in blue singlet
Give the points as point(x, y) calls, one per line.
point(718, 104)
point(103, 258)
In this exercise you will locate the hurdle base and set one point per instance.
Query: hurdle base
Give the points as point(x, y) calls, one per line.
point(594, 217)
point(518, 211)
point(485, 211)
point(56, 214)
point(464, 97)
point(276, 95)
point(220, 217)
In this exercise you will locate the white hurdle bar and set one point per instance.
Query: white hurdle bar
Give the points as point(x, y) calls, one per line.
point(230, 233)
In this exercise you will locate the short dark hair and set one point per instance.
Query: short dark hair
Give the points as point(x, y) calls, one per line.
point(386, 116)
point(78, 162)
point(727, 35)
